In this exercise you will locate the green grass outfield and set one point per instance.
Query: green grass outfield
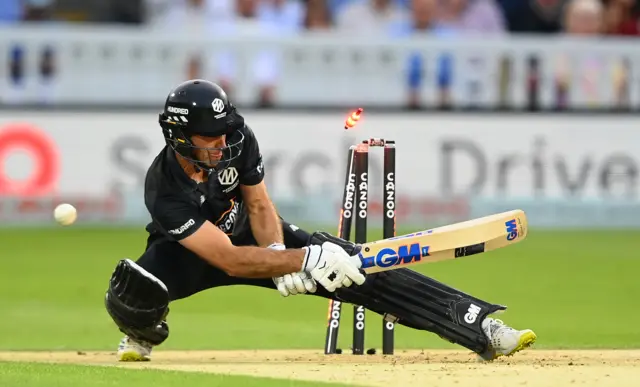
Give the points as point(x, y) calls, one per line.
point(62, 375)
point(575, 289)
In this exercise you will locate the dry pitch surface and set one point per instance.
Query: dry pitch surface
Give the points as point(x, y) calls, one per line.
point(446, 368)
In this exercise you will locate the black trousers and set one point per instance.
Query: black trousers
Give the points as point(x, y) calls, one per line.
point(418, 301)
point(184, 273)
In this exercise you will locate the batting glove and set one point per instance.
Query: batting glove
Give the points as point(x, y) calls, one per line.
point(332, 267)
point(294, 283)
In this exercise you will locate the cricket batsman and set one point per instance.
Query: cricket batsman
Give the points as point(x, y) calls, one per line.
point(213, 224)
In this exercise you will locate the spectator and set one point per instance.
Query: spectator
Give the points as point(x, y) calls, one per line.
point(533, 16)
point(10, 11)
point(156, 10)
point(192, 17)
point(584, 17)
point(47, 75)
point(423, 14)
point(317, 16)
point(37, 10)
point(450, 19)
point(281, 17)
point(622, 17)
point(581, 18)
point(252, 19)
point(17, 77)
point(286, 15)
point(471, 16)
point(125, 11)
point(224, 64)
point(23, 80)
point(621, 72)
point(369, 17)
point(211, 18)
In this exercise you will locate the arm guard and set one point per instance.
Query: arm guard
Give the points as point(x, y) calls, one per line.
point(138, 302)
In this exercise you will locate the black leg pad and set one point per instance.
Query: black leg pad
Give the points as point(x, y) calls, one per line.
point(138, 303)
point(319, 237)
point(423, 303)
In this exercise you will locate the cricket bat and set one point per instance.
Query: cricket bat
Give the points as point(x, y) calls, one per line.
point(444, 243)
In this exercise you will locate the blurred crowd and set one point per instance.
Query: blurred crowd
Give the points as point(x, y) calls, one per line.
point(615, 17)
point(395, 18)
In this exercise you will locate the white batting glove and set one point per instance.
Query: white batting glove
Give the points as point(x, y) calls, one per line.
point(294, 283)
point(330, 265)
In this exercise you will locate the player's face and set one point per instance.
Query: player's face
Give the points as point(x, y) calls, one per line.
point(209, 149)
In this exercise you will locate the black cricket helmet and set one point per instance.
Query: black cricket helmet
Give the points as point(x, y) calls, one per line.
point(200, 107)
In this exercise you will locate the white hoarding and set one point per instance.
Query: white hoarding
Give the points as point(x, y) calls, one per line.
point(492, 156)
point(565, 171)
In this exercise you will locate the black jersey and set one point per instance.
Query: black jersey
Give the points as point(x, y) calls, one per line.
point(179, 206)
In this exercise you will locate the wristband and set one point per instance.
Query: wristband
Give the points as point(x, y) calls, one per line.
point(311, 257)
point(277, 246)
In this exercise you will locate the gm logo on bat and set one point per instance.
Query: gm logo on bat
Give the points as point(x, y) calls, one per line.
point(404, 255)
point(512, 229)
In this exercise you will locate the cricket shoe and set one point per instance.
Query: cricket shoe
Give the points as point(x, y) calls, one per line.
point(504, 340)
point(131, 350)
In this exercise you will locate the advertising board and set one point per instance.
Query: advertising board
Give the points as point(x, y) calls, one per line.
point(443, 160)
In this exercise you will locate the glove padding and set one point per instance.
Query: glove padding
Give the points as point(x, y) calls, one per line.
point(294, 283)
point(332, 267)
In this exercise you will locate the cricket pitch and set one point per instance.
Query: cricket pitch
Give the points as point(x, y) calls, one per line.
point(445, 368)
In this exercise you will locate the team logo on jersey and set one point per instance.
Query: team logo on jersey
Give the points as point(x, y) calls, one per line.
point(260, 167)
point(183, 228)
point(227, 221)
point(228, 177)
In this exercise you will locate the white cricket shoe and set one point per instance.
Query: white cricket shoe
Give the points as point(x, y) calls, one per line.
point(504, 340)
point(131, 350)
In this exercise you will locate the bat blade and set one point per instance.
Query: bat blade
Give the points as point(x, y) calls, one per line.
point(444, 243)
